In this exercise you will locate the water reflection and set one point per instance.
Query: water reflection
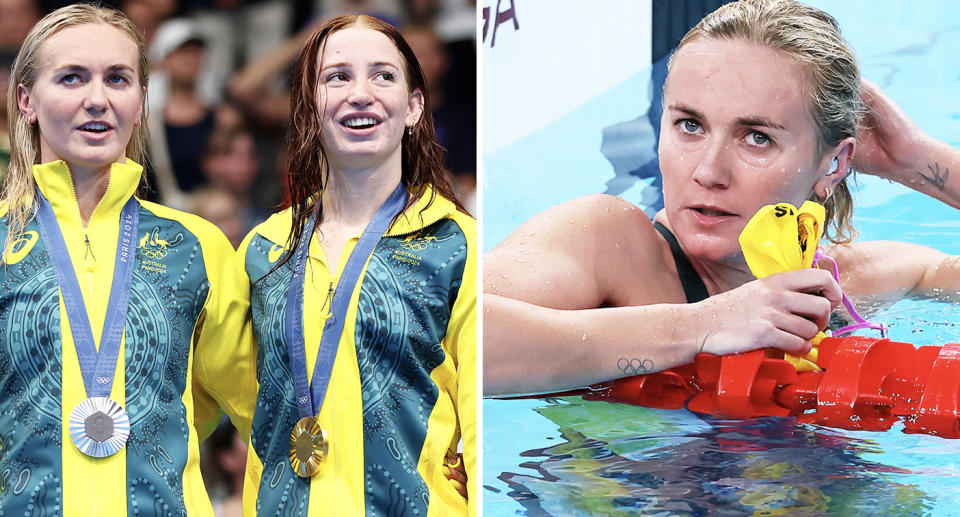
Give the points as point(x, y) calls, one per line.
point(658, 462)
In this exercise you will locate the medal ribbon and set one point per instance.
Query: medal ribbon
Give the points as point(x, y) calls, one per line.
point(310, 393)
point(97, 368)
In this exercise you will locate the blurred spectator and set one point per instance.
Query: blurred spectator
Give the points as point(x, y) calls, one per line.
point(389, 10)
point(456, 25)
point(180, 122)
point(223, 459)
point(230, 166)
point(147, 15)
point(237, 31)
point(454, 20)
point(231, 161)
point(4, 133)
point(16, 19)
point(222, 208)
point(421, 12)
point(255, 87)
point(228, 115)
point(456, 122)
point(261, 91)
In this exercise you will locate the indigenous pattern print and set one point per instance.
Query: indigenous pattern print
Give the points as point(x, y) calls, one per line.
point(282, 491)
point(168, 294)
point(406, 295)
point(401, 321)
point(30, 380)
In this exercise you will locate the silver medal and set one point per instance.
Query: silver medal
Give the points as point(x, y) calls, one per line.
point(99, 427)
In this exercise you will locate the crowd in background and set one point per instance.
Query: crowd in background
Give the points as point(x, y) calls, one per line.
point(218, 110)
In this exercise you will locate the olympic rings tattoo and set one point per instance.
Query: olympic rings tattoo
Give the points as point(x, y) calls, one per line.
point(634, 366)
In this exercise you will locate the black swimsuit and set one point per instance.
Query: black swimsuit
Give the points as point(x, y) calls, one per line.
point(693, 286)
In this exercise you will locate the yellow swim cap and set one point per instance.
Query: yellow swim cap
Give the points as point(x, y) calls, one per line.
point(782, 238)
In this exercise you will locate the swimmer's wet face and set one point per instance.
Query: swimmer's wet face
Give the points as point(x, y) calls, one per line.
point(87, 95)
point(364, 98)
point(737, 133)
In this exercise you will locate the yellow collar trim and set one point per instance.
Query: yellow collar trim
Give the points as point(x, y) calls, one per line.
point(56, 183)
point(418, 216)
point(411, 220)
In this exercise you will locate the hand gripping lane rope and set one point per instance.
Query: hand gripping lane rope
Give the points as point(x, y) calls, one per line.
point(848, 382)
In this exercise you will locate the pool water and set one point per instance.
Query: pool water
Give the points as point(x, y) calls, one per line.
point(569, 457)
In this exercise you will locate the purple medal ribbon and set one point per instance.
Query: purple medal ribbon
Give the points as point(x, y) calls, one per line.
point(97, 368)
point(310, 393)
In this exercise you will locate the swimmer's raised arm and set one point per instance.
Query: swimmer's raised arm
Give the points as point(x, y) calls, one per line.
point(544, 330)
point(892, 146)
point(884, 272)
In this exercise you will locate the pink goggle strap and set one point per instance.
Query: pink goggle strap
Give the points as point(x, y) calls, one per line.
point(861, 323)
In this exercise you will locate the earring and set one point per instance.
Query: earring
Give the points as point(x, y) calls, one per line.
point(828, 192)
point(410, 131)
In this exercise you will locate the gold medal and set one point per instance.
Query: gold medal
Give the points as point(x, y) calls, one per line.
point(308, 447)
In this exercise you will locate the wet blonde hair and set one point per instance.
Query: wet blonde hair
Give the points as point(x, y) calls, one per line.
point(812, 39)
point(19, 184)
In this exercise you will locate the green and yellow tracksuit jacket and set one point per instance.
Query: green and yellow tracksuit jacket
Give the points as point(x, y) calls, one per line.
point(403, 386)
point(187, 349)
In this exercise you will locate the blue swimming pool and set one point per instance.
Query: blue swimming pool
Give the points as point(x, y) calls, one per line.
point(569, 457)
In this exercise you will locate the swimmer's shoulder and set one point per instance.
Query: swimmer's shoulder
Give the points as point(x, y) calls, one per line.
point(595, 221)
point(616, 226)
point(609, 241)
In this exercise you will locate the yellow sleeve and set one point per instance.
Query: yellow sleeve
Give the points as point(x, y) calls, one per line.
point(225, 354)
point(461, 337)
point(254, 467)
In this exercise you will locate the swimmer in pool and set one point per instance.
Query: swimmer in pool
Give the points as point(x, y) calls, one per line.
point(763, 103)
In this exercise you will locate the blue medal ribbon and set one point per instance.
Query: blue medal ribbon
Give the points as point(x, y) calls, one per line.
point(97, 368)
point(310, 393)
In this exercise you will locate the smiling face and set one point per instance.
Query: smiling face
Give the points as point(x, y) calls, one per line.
point(736, 134)
point(363, 99)
point(86, 97)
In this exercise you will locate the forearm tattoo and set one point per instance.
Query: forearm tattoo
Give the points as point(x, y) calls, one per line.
point(634, 366)
point(937, 179)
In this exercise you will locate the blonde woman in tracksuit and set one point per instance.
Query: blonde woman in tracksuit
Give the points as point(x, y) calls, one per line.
point(124, 324)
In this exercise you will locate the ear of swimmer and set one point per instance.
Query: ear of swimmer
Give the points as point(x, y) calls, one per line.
point(782, 238)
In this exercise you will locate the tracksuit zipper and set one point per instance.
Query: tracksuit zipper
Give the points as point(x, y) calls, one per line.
point(90, 263)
